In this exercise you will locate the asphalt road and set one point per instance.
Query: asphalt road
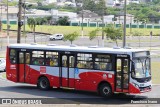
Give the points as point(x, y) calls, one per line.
point(10, 89)
point(146, 42)
point(43, 39)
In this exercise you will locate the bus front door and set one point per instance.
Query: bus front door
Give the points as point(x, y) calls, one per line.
point(67, 71)
point(122, 75)
point(23, 67)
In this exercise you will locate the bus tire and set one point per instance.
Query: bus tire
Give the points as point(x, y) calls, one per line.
point(105, 90)
point(43, 83)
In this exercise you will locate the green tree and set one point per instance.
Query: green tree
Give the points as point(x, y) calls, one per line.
point(100, 10)
point(101, 7)
point(71, 37)
point(49, 20)
point(113, 33)
point(156, 1)
point(89, 5)
point(63, 21)
point(32, 25)
point(38, 21)
point(93, 34)
point(44, 21)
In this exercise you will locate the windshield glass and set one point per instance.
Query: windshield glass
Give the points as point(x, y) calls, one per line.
point(141, 67)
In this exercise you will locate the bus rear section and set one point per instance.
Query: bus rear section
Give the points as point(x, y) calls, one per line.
point(104, 72)
point(11, 65)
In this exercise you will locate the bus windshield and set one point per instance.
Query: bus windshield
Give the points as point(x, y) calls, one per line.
point(141, 67)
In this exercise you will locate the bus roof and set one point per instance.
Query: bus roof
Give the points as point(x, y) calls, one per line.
point(75, 48)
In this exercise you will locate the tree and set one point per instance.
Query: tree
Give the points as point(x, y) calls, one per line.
point(113, 33)
point(100, 9)
point(44, 21)
point(63, 21)
point(49, 20)
point(39, 3)
point(32, 25)
point(71, 37)
point(89, 5)
point(39, 21)
point(93, 35)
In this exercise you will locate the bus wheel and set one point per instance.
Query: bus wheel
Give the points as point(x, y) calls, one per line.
point(43, 83)
point(105, 90)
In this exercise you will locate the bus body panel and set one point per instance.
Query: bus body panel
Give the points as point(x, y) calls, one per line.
point(12, 74)
point(90, 79)
point(11, 69)
point(21, 73)
point(86, 80)
point(72, 77)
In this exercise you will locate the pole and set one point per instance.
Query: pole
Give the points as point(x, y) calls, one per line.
point(1, 27)
point(1, 19)
point(124, 35)
point(19, 22)
point(82, 33)
point(103, 27)
point(7, 25)
point(24, 22)
point(130, 25)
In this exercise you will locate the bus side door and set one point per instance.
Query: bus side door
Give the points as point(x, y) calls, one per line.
point(67, 70)
point(122, 74)
point(23, 66)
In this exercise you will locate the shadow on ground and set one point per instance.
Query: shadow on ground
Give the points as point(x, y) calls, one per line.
point(66, 96)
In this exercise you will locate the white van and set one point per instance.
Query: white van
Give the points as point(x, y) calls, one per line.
point(56, 37)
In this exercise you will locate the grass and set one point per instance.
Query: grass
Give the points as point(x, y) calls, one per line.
point(71, 29)
point(155, 69)
point(4, 75)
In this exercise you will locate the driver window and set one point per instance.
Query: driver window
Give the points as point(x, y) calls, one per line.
point(125, 65)
point(118, 66)
point(119, 63)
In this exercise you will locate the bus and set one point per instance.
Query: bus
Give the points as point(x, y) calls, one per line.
point(97, 69)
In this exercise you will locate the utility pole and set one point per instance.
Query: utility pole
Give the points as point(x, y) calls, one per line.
point(8, 26)
point(19, 22)
point(102, 26)
point(1, 26)
point(82, 33)
point(1, 19)
point(24, 22)
point(124, 35)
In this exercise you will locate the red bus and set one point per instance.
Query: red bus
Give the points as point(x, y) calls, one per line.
point(98, 69)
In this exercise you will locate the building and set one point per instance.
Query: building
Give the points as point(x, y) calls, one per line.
point(12, 14)
point(51, 1)
point(145, 1)
point(34, 13)
point(56, 14)
point(88, 16)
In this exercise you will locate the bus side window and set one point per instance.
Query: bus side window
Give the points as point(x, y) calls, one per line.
point(27, 58)
point(38, 57)
point(35, 62)
point(13, 56)
point(52, 59)
point(13, 60)
point(96, 65)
